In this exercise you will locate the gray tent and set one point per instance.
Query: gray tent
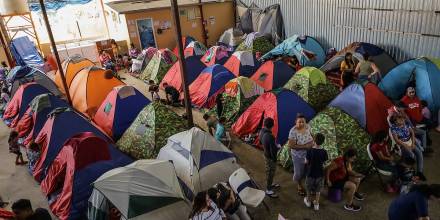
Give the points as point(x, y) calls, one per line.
point(267, 21)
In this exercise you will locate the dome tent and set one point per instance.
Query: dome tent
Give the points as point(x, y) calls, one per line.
point(255, 43)
point(71, 66)
point(231, 38)
point(273, 74)
point(341, 132)
point(307, 49)
point(28, 74)
point(193, 69)
point(90, 87)
point(311, 84)
point(119, 109)
point(242, 63)
point(216, 55)
point(185, 42)
point(426, 74)
point(158, 66)
point(149, 131)
point(281, 105)
point(145, 189)
point(199, 159)
point(366, 104)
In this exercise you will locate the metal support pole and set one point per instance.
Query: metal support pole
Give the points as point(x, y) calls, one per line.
point(55, 51)
point(176, 20)
point(205, 35)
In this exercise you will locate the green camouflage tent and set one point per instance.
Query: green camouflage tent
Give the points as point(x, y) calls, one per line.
point(159, 65)
point(341, 131)
point(311, 84)
point(239, 94)
point(259, 44)
point(150, 130)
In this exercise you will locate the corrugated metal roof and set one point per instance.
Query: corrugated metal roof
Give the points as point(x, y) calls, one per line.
point(130, 6)
point(404, 28)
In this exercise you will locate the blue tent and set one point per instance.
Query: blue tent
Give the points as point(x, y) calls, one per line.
point(20, 75)
point(352, 101)
point(40, 106)
point(18, 72)
point(208, 85)
point(62, 124)
point(282, 105)
point(426, 74)
point(307, 49)
point(193, 69)
point(119, 110)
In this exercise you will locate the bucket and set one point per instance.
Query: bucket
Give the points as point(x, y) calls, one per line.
point(335, 195)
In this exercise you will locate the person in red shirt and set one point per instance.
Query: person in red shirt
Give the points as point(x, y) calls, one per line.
point(414, 106)
point(340, 175)
point(382, 155)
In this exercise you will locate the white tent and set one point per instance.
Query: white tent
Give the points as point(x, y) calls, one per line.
point(199, 159)
point(145, 189)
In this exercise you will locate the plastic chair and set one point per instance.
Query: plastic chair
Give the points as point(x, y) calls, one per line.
point(244, 186)
point(373, 167)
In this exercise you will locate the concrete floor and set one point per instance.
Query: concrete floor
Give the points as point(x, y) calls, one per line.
point(16, 183)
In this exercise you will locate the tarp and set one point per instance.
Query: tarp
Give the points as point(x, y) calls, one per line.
point(231, 38)
point(35, 117)
point(367, 105)
point(193, 69)
point(380, 57)
point(199, 159)
point(426, 74)
point(211, 82)
point(34, 5)
point(159, 65)
point(90, 87)
point(71, 66)
point(149, 131)
point(61, 125)
point(273, 74)
point(216, 55)
point(342, 132)
point(18, 105)
point(307, 49)
point(268, 21)
point(119, 110)
point(145, 189)
point(311, 84)
point(25, 52)
point(281, 105)
point(242, 63)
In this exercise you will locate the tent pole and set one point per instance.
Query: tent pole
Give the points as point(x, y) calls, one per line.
point(176, 20)
point(55, 51)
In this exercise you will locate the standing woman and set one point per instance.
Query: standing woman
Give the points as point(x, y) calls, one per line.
point(347, 70)
point(367, 70)
point(300, 140)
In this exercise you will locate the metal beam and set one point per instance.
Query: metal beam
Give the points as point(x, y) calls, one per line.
point(187, 100)
point(55, 51)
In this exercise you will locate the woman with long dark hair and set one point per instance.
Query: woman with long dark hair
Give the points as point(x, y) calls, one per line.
point(414, 205)
point(347, 70)
point(205, 209)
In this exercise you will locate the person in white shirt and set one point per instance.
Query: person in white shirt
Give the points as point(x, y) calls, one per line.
point(205, 209)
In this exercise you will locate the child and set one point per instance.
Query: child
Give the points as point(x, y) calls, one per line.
point(220, 129)
point(315, 159)
point(14, 147)
point(126, 61)
point(33, 154)
point(407, 176)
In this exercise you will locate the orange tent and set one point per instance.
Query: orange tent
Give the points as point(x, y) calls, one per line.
point(90, 87)
point(71, 67)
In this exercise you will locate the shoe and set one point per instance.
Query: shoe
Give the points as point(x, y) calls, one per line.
point(271, 194)
point(307, 202)
point(276, 186)
point(359, 196)
point(352, 207)
point(316, 206)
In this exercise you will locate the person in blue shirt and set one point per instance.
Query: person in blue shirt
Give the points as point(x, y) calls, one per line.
point(414, 205)
point(220, 129)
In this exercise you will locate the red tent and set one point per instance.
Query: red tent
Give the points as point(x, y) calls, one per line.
point(273, 74)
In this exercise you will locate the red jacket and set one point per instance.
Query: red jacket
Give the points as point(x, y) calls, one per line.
point(414, 108)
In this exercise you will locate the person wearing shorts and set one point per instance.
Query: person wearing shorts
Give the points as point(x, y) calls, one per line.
point(315, 159)
point(300, 140)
